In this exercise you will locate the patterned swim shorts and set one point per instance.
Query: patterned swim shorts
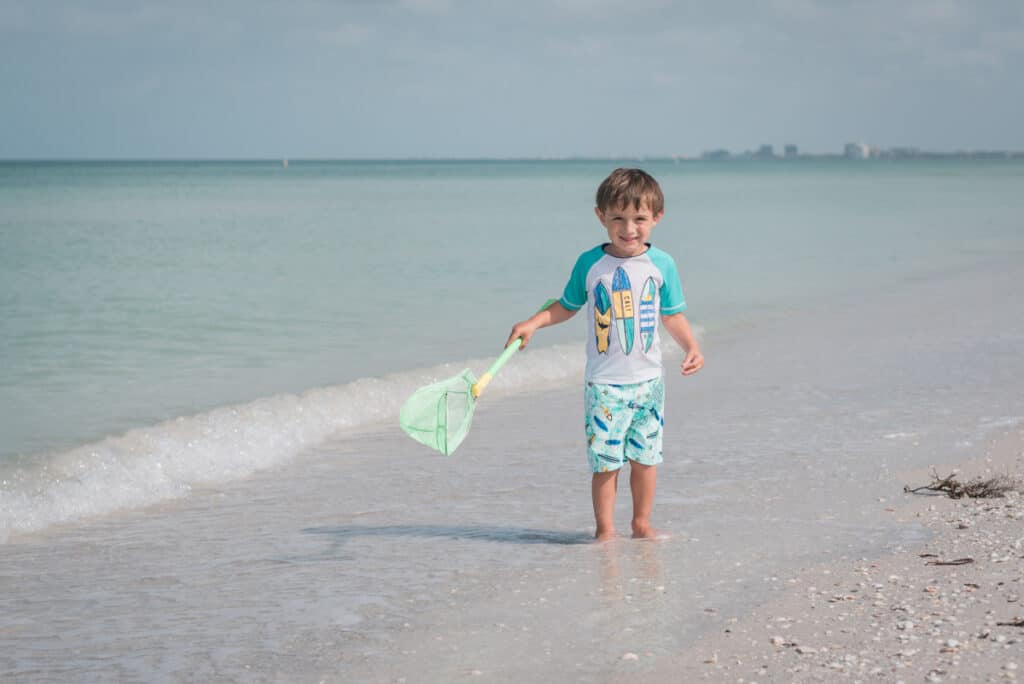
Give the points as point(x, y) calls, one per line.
point(624, 422)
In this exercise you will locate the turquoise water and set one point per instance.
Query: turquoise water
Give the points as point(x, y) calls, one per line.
point(135, 293)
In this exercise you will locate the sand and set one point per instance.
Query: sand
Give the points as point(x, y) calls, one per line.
point(946, 610)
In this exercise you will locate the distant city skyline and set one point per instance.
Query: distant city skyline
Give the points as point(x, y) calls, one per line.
point(397, 79)
point(854, 150)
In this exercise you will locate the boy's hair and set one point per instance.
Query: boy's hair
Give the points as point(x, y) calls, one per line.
point(624, 187)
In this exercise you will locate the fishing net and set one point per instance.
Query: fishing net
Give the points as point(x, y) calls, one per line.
point(439, 415)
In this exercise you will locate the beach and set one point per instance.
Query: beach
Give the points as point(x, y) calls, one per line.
point(242, 246)
point(945, 610)
point(221, 491)
point(366, 559)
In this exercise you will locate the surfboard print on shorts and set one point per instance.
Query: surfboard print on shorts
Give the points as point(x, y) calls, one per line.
point(622, 303)
point(648, 315)
point(602, 317)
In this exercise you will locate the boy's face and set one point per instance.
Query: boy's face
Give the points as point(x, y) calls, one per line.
point(628, 228)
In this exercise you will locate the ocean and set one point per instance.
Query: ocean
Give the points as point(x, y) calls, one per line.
point(201, 473)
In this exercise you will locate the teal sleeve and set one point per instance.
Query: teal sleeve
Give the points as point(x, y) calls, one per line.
point(575, 294)
point(672, 299)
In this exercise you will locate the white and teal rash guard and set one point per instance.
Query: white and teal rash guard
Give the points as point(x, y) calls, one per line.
point(624, 299)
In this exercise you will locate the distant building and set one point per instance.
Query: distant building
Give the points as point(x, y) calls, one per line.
point(715, 155)
point(791, 152)
point(765, 152)
point(856, 151)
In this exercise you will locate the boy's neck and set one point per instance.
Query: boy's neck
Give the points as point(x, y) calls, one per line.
point(609, 249)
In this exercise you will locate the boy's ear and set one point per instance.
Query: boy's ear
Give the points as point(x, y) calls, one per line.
point(600, 214)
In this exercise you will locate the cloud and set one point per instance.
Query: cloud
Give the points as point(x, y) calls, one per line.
point(345, 35)
point(14, 17)
point(938, 13)
point(427, 6)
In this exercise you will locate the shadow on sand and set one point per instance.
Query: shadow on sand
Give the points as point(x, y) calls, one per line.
point(509, 535)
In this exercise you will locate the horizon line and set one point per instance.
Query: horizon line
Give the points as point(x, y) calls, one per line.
point(732, 156)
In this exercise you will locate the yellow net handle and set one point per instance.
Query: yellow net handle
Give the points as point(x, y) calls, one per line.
point(485, 379)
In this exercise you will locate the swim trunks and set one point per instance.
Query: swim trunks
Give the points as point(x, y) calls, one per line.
point(624, 422)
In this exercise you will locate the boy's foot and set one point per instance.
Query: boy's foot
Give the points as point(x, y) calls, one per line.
point(604, 535)
point(648, 532)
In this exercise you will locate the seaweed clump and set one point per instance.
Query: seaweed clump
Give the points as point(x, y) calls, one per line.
point(978, 488)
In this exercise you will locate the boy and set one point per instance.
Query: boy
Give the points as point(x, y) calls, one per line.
point(625, 283)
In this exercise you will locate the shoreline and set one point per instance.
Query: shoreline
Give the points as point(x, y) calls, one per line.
point(371, 558)
point(921, 613)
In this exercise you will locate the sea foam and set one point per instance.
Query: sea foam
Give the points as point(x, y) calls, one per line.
point(165, 461)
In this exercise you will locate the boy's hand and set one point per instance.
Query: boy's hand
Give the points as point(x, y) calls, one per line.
point(679, 328)
point(693, 362)
point(521, 329)
point(551, 315)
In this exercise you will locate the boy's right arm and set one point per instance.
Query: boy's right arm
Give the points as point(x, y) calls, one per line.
point(553, 315)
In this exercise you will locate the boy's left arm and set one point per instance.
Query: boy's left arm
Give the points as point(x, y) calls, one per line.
point(679, 328)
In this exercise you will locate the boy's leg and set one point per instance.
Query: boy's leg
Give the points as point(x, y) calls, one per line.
point(642, 482)
point(602, 490)
point(644, 451)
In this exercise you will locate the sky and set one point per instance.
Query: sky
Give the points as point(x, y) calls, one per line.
point(360, 79)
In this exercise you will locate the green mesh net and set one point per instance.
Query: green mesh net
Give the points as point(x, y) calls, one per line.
point(439, 415)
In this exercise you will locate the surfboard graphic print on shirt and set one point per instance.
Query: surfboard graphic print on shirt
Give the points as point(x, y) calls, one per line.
point(602, 317)
point(648, 315)
point(622, 303)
